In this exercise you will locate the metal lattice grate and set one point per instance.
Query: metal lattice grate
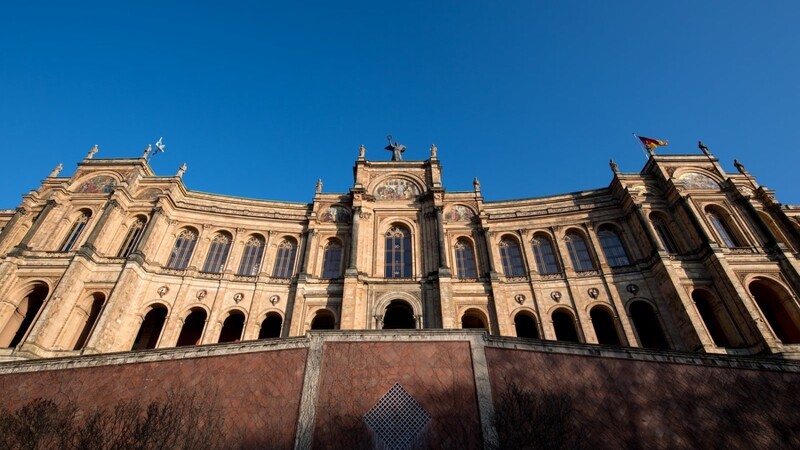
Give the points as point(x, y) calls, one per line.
point(397, 420)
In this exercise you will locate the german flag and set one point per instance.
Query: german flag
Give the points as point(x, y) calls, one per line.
point(651, 144)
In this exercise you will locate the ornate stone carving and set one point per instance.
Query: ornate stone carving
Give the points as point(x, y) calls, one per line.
point(274, 299)
point(334, 214)
point(162, 291)
point(102, 184)
point(364, 214)
point(201, 294)
point(632, 288)
point(238, 297)
point(555, 295)
point(519, 298)
point(593, 292)
point(396, 189)
point(693, 180)
point(459, 213)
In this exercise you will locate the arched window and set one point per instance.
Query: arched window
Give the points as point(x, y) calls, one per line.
point(323, 320)
point(723, 229)
point(664, 234)
point(578, 252)
point(604, 327)
point(511, 258)
point(545, 257)
point(132, 238)
point(271, 326)
point(217, 253)
point(398, 253)
point(474, 319)
point(251, 257)
point(332, 260)
point(75, 231)
point(525, 326)
point(564, 326)
point(22, 317)
point(151, 327)
point(465, 259)
point(612, 247)
point(232, 327)
point(647, 325)
point(182, 251)
point(284, 260)
point(192, 329)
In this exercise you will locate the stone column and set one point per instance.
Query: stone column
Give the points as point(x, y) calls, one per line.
point(148, 230)
point(10, 227)
point(648, 230)
point(489, 254)
point(352, 266)
point(690, 211)
point(23, 244)
point(440, 237)
point(98, 228)
point(310, 237)
point(769, 237)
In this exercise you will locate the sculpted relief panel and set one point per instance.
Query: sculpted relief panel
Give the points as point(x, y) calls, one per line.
point(335, 214)
point(693, 180)
point(396, 189)
point(98, 185)
point(459, 213)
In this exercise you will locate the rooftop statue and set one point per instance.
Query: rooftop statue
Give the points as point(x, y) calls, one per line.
point(396, 149)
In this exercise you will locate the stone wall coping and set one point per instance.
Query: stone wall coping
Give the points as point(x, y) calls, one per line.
point(475, 338)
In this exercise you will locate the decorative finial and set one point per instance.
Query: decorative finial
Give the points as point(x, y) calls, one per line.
point(476, 184)
point(703, 148)
point(319, 185)
point(433, 151)
point(396, 149)
point(740, 167)
point(56, 171)
point(146, 153)
point(362, 151)
point(181, 170)
point(614, 166)
point(94, 150)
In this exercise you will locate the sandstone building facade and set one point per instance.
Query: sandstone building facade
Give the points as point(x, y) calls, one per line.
point(680, 256)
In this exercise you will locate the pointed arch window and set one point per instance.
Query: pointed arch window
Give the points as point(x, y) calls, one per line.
point(511, 258)
point(284, 260)
point(612, 247)
point(664, 235)
point(465, 259)
point(251, 257)
point(75, 231)
point(397, 263)
point(183, 249)
point(217, 253)
point(132, 238)
point(723, 229)
point(545, 257)
point(332, 260)
point(579, 253)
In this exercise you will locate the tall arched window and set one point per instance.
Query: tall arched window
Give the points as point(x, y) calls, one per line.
point(332, 260)
point(647, 325)
point(251, 257)
point(579, 253)
point(723, 229)
point(150, 330)
point(465, 259)
point(182, 251)
point(75, 231)
point(217, 253)
point(612, 247)
point(398, 253)
point(132, 238)
point(564, 326)
point(604, 327)
point(284, 260)
point(545, 257)
point(664, 234)
point(511, 258)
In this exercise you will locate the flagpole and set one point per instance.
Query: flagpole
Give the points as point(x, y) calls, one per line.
point(644, 150)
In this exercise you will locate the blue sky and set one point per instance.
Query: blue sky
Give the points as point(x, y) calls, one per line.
point(533, 98)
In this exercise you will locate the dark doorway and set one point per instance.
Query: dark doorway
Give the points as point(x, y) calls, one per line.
point(473, 319)
point(192, 329)
point(324, 320)
point(564, 325)
point(22, 317)
point(151, 328)
point(232, 328)
point(777, 306)
point(399, 316)
point(94, 313)
point(526, 326)
point(271, 326)
point(647, 326)
point(706, 303)
point(604, 326)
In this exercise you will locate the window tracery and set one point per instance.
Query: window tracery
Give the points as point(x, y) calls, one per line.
point(284, 260)
point(579, 252)
point(75, 231)
point(612, 247)
point(332, 260)
point(251, 256)
point(183, 249)
point(511, 258)
point(545, 257)
point(397, 263)
point(217, 253)
point(465, 259)
point(132, 238)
